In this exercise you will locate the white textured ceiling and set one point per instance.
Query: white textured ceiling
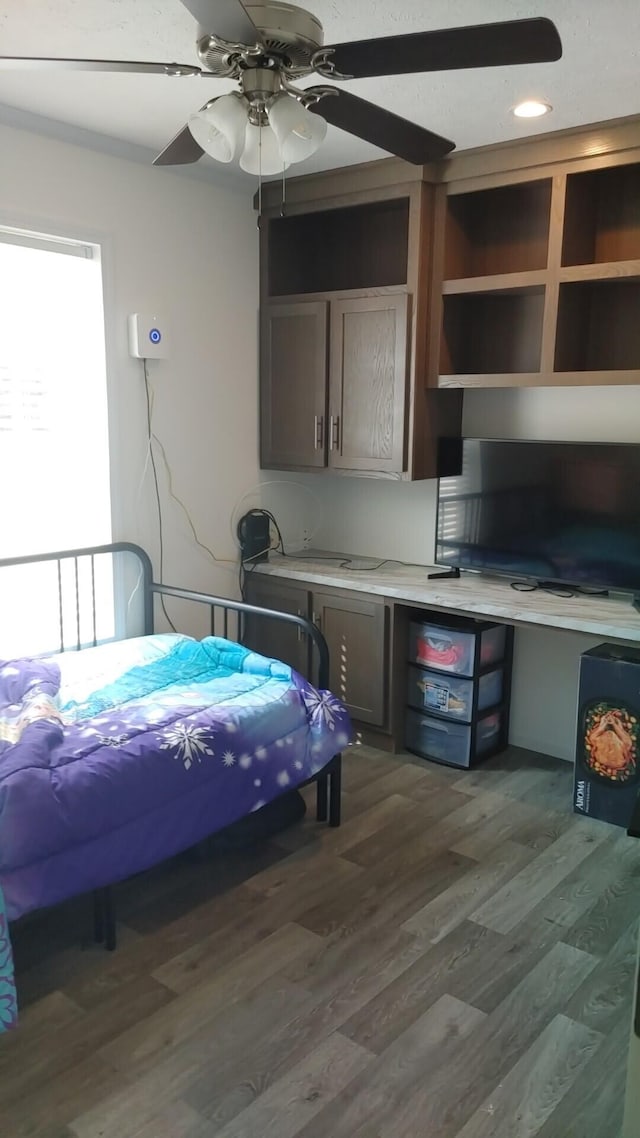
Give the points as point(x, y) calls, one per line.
point(598, 77)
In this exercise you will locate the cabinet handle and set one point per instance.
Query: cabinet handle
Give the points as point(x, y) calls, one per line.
point(315, 618)
point(318, 432)
point(334, 432)
point(299, 630)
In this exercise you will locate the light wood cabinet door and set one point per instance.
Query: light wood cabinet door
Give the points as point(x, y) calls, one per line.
point(293, 384)
point(368, 382)
point(356, 635)
point(275, 638)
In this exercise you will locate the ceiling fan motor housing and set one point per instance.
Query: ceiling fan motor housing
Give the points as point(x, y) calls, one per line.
point(288, 33)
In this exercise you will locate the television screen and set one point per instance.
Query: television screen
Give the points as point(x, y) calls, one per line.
point(557, 513)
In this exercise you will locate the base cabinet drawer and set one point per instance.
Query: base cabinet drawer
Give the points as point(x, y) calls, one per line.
point(456, 744)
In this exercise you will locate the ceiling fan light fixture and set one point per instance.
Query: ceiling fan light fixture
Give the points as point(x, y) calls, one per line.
point(261, 154)
point(531, 109)
point(299, 132)
point(220, 128)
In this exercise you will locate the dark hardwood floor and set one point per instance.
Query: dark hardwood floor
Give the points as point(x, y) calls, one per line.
point(454, 962)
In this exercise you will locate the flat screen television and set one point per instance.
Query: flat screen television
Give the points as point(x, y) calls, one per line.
point(543, 512)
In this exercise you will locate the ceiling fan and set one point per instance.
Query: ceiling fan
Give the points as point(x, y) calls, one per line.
point(268, 122)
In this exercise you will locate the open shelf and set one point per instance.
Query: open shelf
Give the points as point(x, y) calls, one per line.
point(492, 332)
point(502, 230)
point(542, 379)
point(598, 326)
point(362, 246)
point(602, 216)
point(601, 271)
point(496, 283)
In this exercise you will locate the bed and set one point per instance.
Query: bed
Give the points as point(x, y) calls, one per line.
point(117, 755)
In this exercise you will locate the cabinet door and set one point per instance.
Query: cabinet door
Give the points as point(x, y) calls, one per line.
point(276, 638)
point(293, 384)
point(355, 631)
point(368, 381)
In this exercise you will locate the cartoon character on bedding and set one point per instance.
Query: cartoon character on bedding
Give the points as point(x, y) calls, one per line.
point(27, 694)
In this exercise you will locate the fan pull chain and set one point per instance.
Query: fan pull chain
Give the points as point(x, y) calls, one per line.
point(284, 193)
point(259, 174)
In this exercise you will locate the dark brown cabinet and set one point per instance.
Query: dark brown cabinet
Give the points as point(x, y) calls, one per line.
point(333, 383)
point(367, 382)
point(355, 629)
point(293, 373)
point(345, 280)
point(274, 637)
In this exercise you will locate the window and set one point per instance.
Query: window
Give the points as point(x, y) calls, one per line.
point(54, 447)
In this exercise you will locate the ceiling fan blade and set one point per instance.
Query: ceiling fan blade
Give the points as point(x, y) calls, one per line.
point(32, 63)
point(225, 18)
point(382, 128)
point(483, 45)
point(182, 150)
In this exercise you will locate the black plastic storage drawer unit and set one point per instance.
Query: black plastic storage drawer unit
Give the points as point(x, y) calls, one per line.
point(458, 688)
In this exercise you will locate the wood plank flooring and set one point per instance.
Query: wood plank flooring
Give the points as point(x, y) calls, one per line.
point(456, 961)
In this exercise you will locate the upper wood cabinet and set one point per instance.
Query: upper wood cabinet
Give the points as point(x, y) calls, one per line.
point(333, 383)
point(367, 382)
point(345, 281)
point(293, 378)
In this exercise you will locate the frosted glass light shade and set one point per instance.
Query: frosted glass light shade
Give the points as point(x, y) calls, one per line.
point(219, 129)
point(298, 131)
point(261, 154)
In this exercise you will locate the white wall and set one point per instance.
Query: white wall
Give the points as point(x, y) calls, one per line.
point(388, 519)
point(187, 249)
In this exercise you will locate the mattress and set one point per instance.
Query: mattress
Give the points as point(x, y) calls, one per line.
point(115, 757)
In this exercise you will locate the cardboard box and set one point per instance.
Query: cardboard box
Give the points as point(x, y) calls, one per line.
point(607, 764)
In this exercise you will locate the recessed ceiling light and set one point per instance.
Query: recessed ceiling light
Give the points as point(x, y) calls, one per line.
point(532, 109)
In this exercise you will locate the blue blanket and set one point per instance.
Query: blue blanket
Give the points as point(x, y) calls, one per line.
point(8, 1005)
point(113, 758)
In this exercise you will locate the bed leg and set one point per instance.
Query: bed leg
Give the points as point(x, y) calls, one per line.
point(109, 920)
point(335, 791)
point(98, 916)
point(104, 918)
point(322, 797)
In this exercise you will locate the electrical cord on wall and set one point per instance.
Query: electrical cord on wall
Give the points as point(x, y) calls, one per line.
point(157, 490)
point(223, 562)
point(218, 560)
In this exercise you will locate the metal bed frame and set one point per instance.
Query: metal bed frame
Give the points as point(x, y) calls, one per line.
point(328, 780)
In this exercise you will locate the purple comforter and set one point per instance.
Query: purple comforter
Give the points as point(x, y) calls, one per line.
point(116, 757)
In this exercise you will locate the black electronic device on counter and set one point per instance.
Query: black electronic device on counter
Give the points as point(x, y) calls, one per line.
point(254, 535)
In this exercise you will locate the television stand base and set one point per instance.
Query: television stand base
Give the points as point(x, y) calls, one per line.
point(446, 575)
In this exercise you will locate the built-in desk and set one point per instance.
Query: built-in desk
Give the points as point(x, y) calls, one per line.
point(612, 618)
point(364, 614)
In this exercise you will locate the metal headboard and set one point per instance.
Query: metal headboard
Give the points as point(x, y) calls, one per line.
point(220, 607)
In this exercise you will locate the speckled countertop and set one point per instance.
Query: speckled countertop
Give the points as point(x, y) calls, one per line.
point(612, 618)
